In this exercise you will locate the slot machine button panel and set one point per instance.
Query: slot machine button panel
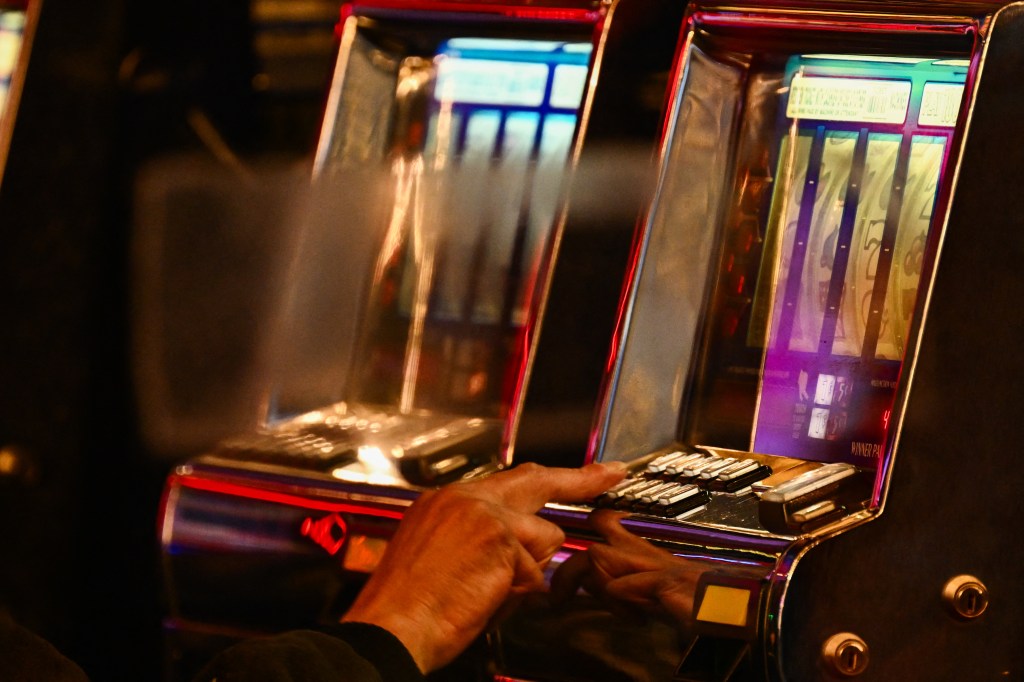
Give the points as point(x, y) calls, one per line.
point(815, 498)
point(694, 469)
point(712, 471)
point(610, 497)
point(677, 484)
point(739, 479)
point(295, 450)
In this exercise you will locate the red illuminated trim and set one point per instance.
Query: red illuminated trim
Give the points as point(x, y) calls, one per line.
point(237, 490)
point(508, 10)
point(830, 23)
point(329, 532)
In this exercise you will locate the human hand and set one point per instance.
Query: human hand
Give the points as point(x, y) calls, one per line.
point(463, 549)
point(630, 572)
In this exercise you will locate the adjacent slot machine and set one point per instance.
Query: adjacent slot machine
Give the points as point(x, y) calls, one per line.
point(420, 270)
point(459, 133)
point(802, 372)
point(17, 26)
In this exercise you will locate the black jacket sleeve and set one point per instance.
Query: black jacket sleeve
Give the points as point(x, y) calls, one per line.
point(24, 656)
point(345, 652)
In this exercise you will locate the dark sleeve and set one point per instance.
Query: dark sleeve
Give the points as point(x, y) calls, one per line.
point(345, 652)
point(25, 656)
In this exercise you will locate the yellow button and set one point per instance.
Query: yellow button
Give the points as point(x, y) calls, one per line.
point(724, 605)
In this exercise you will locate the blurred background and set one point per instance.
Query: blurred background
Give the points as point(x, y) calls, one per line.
point(134, 116)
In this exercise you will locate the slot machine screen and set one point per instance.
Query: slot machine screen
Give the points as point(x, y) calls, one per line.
point(14, 25)
point(471, 126)
point(12, 28)
point(455, 85)
point(514, 102)
point(523, 93)
point(856, 183)
point(778, 280)
point(441, 167)
point(503, 115)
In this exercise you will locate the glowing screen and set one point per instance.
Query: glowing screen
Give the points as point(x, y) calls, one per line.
point(514, 104)
point(12, 27)
point(858, 175)
point(508, 98)
point(499, 119)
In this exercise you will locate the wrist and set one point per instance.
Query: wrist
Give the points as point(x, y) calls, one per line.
point(380, 648)
point(406, 630)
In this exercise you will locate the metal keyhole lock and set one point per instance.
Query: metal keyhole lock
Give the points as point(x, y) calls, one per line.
point(845, 654)
point(966, 596)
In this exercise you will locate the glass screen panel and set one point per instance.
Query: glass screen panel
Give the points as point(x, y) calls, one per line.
point(502, 106)
point(12, 29)
point(860, 166)
point(445, 146)
point(497, 120)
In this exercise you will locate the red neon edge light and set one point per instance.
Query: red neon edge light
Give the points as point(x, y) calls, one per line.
point(236, 490)
point(513, 10)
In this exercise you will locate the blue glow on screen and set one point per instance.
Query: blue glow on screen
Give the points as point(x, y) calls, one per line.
point(510, 97)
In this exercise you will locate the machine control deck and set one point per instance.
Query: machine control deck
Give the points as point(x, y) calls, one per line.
point(780, 495)
point(680, 483)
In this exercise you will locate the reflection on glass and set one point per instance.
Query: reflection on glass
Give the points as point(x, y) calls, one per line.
point(453, 285)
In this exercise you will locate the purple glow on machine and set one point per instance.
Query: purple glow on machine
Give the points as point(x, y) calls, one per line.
point(858, 177)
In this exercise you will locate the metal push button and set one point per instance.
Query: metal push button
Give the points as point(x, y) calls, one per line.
point(611, 496)
point(661, 463)
point(718, 467)
point(676, 466)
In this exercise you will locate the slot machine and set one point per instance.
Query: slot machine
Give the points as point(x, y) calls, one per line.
point(423, 256)
point(17, 27)
point(800, 368)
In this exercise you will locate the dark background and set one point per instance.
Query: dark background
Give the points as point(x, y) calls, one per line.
point(113, 85)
